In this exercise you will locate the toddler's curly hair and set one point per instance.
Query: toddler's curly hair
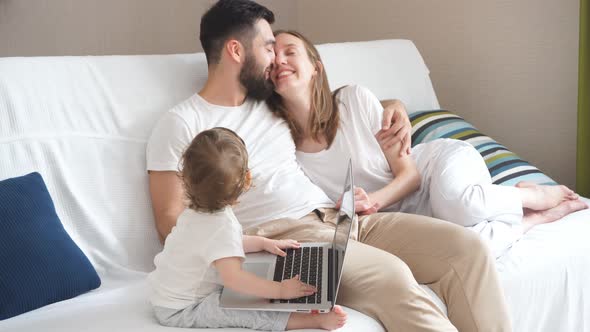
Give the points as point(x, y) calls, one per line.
point(214, 170)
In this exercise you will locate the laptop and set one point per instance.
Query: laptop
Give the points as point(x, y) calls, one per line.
point(318, 264)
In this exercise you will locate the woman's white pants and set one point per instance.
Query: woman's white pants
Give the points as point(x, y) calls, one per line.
point(457, 187)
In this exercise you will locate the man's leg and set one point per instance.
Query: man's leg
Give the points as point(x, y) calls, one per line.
point(453, 261)
point(374, 282)
point(382, 286)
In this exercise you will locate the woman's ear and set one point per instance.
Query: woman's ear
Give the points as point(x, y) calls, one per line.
point(235, 50)
point(319, 67)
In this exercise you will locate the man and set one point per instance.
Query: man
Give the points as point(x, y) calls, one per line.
point(393, 253)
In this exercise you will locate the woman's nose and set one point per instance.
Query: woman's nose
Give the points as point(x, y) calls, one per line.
point(279, 59)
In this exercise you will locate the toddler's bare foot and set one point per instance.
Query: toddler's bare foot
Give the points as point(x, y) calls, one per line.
point(543, 197)
point(335, 319)
point(532, 218)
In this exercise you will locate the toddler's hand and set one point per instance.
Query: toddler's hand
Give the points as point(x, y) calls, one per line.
point(294, 288)
point(275, 246)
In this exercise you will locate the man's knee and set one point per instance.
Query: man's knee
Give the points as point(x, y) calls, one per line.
point(395, 277)
point(463, 242)
point(379, 275)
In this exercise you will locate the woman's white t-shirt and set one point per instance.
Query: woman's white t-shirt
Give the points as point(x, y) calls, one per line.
point(360, 119)
point(184, 273)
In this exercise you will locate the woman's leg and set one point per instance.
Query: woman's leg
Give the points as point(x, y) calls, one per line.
point(461, 189)
point(541, 197)
point(532, 218)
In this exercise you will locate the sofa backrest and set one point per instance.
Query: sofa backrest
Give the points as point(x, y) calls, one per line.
point(83, 123)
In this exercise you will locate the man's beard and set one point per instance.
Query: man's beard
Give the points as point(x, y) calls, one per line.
point(252, 77)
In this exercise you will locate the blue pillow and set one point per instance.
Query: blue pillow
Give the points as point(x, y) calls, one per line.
point(505, 167)
point(39, 262)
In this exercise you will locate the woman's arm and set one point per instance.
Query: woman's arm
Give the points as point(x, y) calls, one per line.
point(406, 180)
point(235, 278)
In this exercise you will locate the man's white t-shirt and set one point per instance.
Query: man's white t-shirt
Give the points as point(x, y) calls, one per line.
point(184, 273)
point(280, 188)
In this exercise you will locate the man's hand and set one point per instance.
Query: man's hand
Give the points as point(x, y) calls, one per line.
point(275, 246)
point(395, 126)
point(363, 204)
point(294, 288)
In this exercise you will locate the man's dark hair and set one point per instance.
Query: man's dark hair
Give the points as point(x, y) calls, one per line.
point(230, 18)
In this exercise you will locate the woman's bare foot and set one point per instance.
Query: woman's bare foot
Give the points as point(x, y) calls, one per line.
point(542, 197)
point(533, 218)
point(335, 319)
point(527, 184)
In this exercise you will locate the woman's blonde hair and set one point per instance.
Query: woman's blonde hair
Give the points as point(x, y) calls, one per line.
point(214, 170)
point(324, 117)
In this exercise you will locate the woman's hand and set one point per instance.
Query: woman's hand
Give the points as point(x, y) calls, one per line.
point(276, 246)
point(294, 288)
point(396, 127)
point(363, 203)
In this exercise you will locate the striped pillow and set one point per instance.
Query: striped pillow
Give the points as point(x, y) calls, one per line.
point(505, 167)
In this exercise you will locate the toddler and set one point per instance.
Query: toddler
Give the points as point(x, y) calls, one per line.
point(206, 248)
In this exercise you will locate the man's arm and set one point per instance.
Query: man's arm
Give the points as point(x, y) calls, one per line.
point(397, 123)
point(167, 196)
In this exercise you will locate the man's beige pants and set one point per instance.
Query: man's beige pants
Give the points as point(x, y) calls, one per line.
point(393, 253)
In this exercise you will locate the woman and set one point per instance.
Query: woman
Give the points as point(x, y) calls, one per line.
point(445, 178)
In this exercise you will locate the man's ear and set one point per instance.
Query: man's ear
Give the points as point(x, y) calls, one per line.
point(235, 50)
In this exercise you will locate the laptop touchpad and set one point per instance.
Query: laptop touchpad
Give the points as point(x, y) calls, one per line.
point(259, 269)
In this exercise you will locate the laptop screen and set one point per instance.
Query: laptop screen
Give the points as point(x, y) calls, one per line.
point(343, 226)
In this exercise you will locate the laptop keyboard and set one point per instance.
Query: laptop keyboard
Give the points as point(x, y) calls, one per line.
point(305, 262)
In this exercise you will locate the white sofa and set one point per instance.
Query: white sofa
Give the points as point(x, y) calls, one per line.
point(83, 122)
